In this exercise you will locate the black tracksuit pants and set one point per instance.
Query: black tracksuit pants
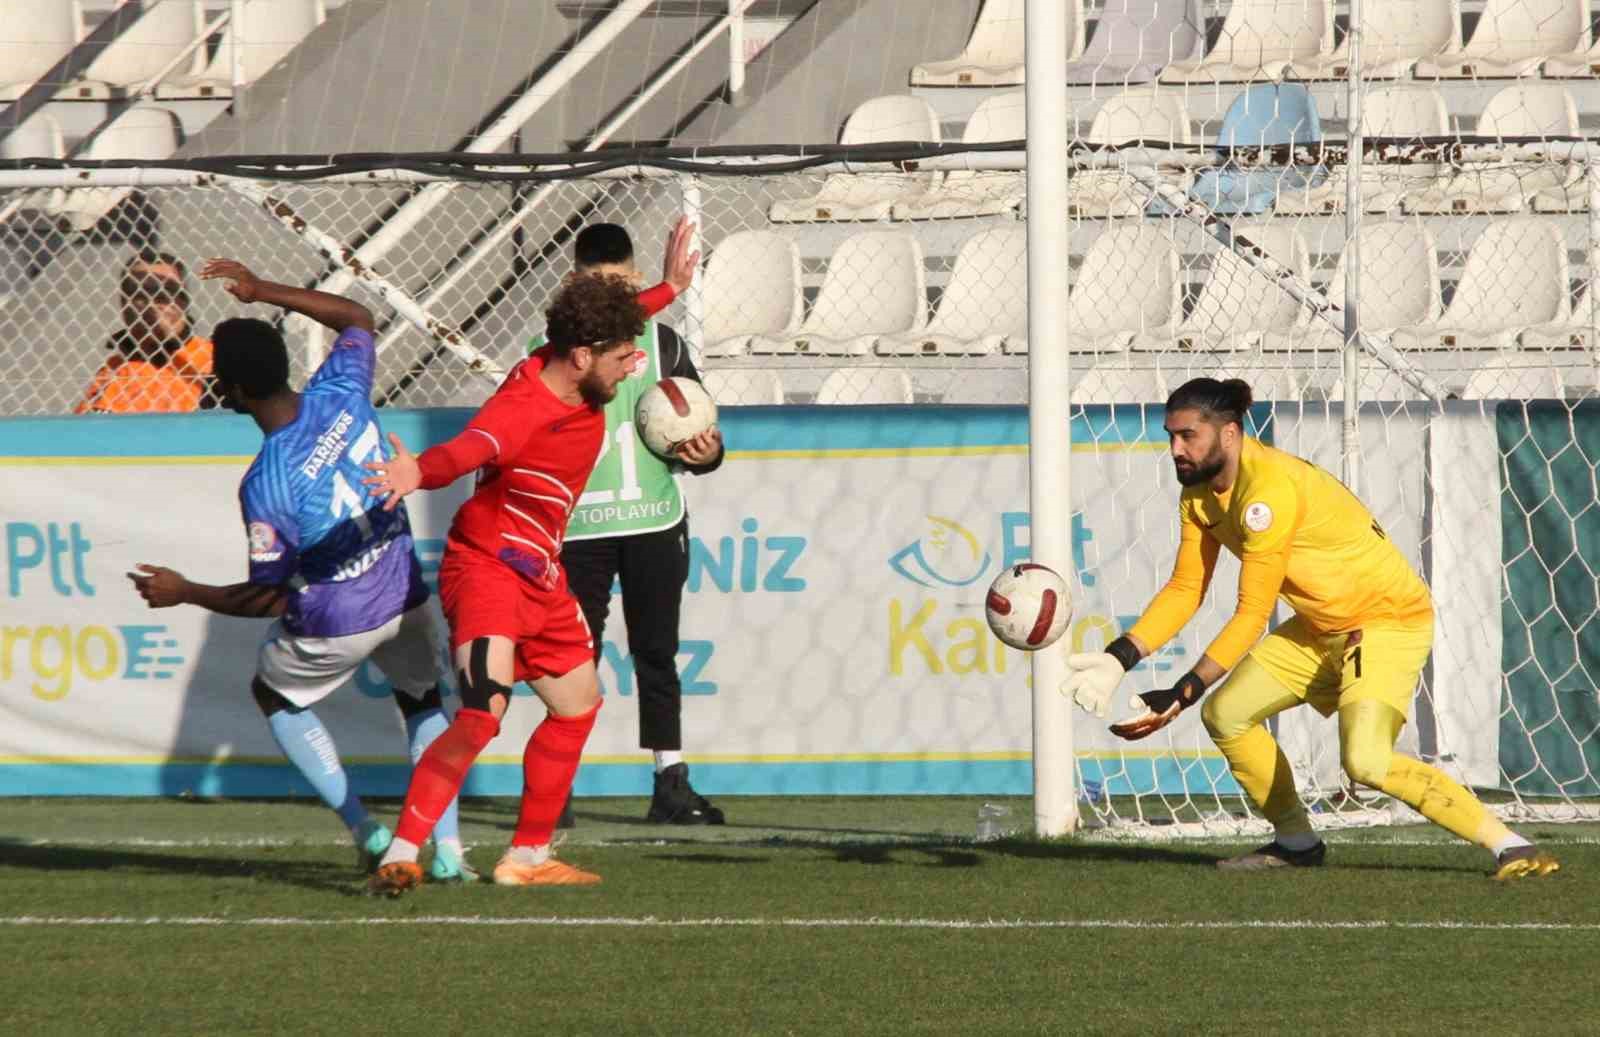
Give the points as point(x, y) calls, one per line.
point(653, 568)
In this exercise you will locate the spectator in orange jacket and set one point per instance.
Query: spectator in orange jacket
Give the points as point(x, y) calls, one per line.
point(157, 363)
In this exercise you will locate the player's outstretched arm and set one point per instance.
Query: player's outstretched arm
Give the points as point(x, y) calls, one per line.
point(163, 588)
point(394, 478)
point(333, 311)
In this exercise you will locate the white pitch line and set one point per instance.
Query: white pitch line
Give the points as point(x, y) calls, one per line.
point(757, 841)
point(652, 922)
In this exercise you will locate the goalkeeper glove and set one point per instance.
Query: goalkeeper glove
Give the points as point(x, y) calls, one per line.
point(1161, 707)
point(1095, 675)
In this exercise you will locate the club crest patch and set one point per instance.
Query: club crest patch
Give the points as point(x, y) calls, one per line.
point(263, 543)
point(640, 361)
point(1258, 517)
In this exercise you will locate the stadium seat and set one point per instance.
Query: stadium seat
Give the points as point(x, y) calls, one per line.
point(1398, 34)
point(743, 386)
point(271, 29)
point(1137, 113)
point(1265, 115)
point(1259, 40)
point(882, 120)
point(1576, 332)
point(39, 137)
point(751, 287)
point(1400, 287)
point(864, 385)
point(1515, 277)
point(984, 303)
point(968, 193)
point(1512, 38)
point(994, 52)
point(1237, 303)
point(35, 36)
point(1403, 112)
point(875, 285)
point(145, 131)
point(1582, 63)
point(1135, 39)
point(1127, 287)
point(1520, 376)
point(149, 44)
point(1520, 110)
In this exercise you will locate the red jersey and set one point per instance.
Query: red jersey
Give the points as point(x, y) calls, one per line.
point(539, 452)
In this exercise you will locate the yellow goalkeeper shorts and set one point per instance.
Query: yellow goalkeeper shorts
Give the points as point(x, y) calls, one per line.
point(1331, 670)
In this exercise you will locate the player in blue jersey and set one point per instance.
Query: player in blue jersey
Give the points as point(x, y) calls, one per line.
point(338, 571)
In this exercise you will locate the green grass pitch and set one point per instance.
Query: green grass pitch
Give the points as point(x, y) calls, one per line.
point(804, 915)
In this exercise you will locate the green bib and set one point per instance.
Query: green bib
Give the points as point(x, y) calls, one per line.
point(631, 490)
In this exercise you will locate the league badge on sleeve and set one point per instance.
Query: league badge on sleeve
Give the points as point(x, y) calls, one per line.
point(264, 543)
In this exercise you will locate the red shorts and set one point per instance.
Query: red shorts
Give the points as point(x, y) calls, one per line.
point(483, 597)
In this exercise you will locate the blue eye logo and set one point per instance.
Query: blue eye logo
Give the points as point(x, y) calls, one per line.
point(948, 555)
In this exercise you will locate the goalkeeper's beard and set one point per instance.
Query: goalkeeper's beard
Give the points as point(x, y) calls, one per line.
point(1203, 472)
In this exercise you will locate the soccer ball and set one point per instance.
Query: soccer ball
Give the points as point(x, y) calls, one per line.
point(671, 411)
point(1028, 606)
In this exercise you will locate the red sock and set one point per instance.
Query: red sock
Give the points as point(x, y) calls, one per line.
point(438, 775)
point(548, 766)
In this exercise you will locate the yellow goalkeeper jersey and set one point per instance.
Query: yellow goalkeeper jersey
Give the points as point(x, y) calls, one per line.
point(1297, 532)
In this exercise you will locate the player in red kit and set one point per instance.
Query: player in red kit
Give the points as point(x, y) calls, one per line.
point(511, 616)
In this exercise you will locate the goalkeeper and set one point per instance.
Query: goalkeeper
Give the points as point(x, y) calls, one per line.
point(1362, 630)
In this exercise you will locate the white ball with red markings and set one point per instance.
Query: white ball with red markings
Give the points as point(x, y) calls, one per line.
point(1028, 606)
point(671, 411)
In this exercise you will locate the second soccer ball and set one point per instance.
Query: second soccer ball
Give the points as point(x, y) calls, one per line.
point(671, 411)
point(1028, 606)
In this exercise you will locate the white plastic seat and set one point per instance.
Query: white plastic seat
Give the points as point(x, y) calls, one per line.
point(1582, 63)
point(1395, 111)
point(865, 385)
point(271, 29)
point(1519, 376)
point(1399, 288)
point(1511, 39)
point(33, 37)
point(1396, 35)
point(970, 193)
point(871, 196)
point(39, 137)
point(144, 132)
point(1237, 304)
point(1576, 332)
point(743, 386)
point(994, 52)
point(1135, 39)
point(146, 46)
point(1520, 110)
point(751, 287)
point(1128, 287)
point(984, 303)
point(1260, 39)
point(1137, 113)
point(1515, 277)
point(875, 285)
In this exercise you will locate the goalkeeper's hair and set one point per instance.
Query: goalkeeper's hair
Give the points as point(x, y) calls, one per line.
point(250, 354)
point(1218, 402)
point(595, 311)
point(602, 243)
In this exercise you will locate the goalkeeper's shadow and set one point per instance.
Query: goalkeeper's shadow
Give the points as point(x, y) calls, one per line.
point(1082, 851)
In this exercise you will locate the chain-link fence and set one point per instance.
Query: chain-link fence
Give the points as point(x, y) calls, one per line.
point(1469, 264)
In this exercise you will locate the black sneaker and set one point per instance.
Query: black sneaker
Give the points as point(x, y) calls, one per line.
point(1274, 856)
point(565, 820)
point(675, 802)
